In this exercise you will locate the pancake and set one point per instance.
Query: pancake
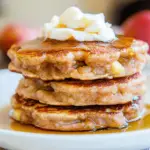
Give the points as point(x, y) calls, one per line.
point(81, 93)
point(74, 118)
point(58, 60)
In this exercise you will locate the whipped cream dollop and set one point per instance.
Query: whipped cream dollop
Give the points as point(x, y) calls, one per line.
point(74, 24)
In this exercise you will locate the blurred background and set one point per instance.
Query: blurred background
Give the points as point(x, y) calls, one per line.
point(21, 20)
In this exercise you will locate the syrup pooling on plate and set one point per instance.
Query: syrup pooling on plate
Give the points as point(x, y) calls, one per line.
point(9, 124)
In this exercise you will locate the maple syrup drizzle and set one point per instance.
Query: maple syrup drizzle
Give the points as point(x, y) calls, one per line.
point(41, 46)
point(123, 42)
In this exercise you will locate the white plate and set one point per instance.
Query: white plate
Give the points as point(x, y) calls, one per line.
point(31, 141)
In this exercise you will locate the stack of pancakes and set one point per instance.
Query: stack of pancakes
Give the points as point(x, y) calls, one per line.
point(77, 86)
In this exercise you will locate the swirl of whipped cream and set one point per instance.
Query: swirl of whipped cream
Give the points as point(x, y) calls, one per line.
point(74, 24)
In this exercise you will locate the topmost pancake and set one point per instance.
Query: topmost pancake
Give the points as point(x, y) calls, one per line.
point(57, 60)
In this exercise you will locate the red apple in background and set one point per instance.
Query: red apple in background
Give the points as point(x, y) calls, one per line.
point(14, 33)
point(138, 26)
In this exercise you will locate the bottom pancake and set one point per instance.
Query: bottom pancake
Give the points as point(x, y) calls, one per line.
point(74, 118)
